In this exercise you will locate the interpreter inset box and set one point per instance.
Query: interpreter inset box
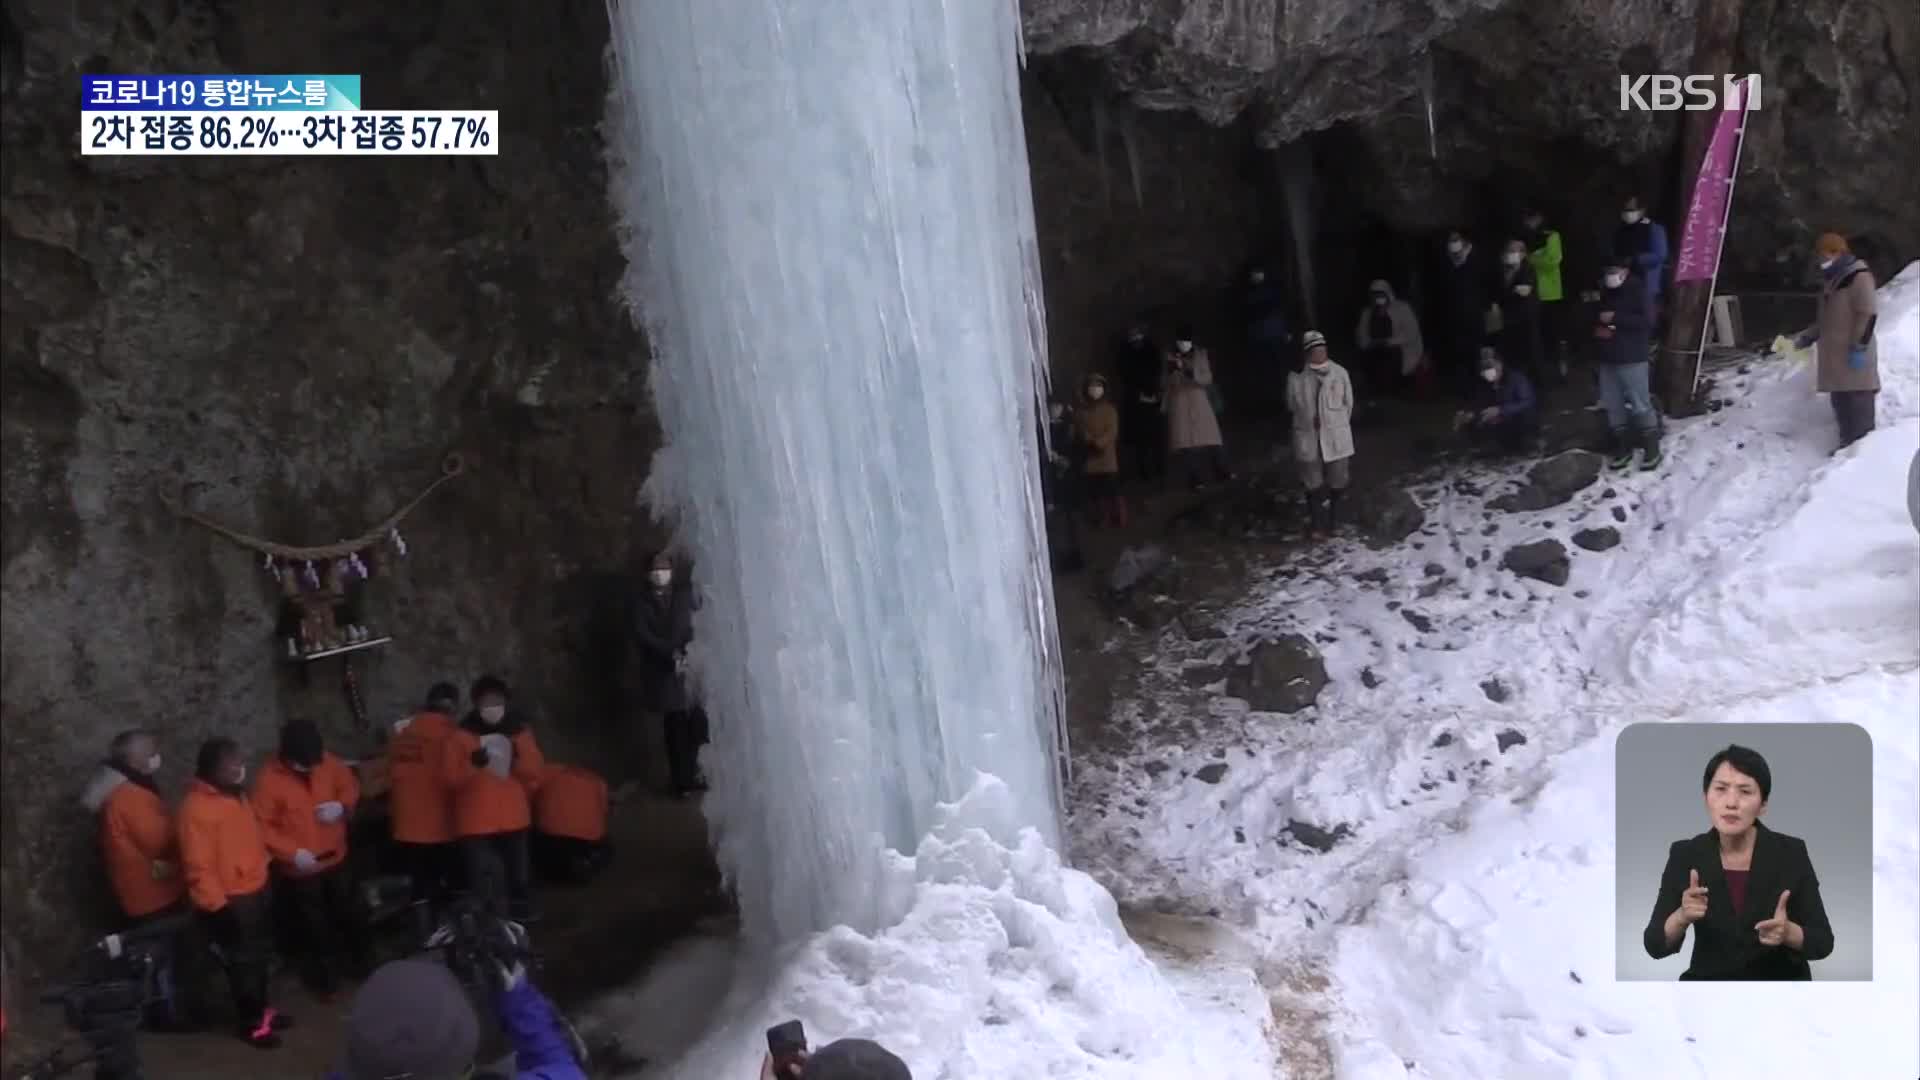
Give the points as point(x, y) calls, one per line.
point(1743, 852)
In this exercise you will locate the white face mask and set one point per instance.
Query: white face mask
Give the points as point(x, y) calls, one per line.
point(1319, 366)
point(493, 714)
point(1095, 393)
point(1183, 347)
point(1257, 277)
point(1827, 264)
point(153, 764)
point(1533, 224)
point(1055, 412)
point(1512, 258)
point(1490, 374)
point(660, 578)
point(1630, 216)
point(1523, 290)
point(1614, 281)
point(239, 777)
point(1456, 246)
point(1379, 300)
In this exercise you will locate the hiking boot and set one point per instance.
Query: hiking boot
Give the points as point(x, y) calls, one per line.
point(1620, 459)
point(1650, 455)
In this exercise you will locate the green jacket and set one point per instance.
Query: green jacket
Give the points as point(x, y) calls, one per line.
point(1545, 260)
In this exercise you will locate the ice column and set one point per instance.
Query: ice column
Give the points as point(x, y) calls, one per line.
point(831, 239)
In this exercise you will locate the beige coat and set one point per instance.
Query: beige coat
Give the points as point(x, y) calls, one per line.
point(1846, 303)
point(1322, 407)
point(1406, 328)
point(1099, 424)
point(1190, 421)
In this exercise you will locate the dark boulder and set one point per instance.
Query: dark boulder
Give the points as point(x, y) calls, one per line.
point(1284, 676)
point(1542, 560)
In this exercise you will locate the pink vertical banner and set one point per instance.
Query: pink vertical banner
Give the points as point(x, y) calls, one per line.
point(1707, 214)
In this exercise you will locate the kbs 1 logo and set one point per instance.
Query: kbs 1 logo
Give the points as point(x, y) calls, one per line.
point(1689, 93)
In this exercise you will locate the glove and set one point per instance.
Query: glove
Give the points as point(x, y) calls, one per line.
point(1857, 358)
point(162, 869)
point(507, 948)
point(304, 861)
point(479, 758)
point(329, 812)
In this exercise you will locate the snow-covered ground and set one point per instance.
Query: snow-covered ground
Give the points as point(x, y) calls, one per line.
point(1465, 924)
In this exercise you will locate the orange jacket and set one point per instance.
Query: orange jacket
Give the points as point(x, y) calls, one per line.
point(137, 843)
point(419, 803)
point(571, 802)
point(284, 800)
point(221, 853)
point(485, 804)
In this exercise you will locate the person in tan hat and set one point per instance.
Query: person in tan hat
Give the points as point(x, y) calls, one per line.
point(1847, 364)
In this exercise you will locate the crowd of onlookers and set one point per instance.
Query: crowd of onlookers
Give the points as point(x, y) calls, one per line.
point(1498, 334)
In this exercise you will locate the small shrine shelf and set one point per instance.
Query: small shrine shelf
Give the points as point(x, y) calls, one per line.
point(321, 654)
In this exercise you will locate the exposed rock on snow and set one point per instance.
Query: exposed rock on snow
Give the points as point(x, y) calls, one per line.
point(1600, 539)
point(1387, 515)
point(1283, 676)
point(1542, 560)
point(1315, 837)
point(1495, 690)
point(1417, 620)
point(1210, 774)
point(1553, 482)
point(1509, 739)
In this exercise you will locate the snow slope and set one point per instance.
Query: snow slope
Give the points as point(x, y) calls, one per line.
point(1758, 577)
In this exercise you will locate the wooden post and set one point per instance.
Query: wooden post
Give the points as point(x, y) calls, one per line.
point(1716, 25)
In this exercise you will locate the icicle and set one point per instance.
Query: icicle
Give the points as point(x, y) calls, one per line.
point(399, 542)
point(1426, 93)
point(272, 568)
point(358, 568)
point(1131, 146)
point(311, 577)
point(1100, 149)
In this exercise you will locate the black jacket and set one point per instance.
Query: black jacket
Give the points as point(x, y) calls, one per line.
point(1632, 340)
point(1725, 945)
point(663, 628)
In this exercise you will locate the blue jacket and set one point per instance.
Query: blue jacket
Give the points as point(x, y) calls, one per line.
point(541, 1048)
point(1632, 324)
point(1514, 396)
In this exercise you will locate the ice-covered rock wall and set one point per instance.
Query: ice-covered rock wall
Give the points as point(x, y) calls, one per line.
point(833, 252)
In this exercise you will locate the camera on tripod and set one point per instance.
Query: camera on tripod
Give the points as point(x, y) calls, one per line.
point(118, 979)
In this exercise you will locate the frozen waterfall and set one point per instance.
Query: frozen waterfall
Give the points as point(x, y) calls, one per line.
point(832, 248)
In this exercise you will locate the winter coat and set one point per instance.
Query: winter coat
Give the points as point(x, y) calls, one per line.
point(1513, 395)
point(1466, 292)
point(1406, 329)
point(1848, 306)
point(1322, 408)
point(1632, 338)
point(222, 854)
point(571, 802)
point(138, 842)
point(1645, 243)
point(1099, 424)
point(542, 1049)
point(419, 803)
point(1191, 423)
point(1519, 336)
point(663, 626)
point(284, 800)
point(1544, 256)
point(484, 803)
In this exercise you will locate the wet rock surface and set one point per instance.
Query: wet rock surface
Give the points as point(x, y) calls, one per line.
point(1542, 560)
point(1597, 539)
point(1553, 481)
point(1284, 676)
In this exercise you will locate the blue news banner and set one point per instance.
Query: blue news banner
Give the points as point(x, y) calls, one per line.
point(266, 115)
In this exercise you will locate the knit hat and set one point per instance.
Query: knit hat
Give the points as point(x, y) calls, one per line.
point(1831, 244)
point(854, 1059)
point(1311, 340)
point(300, 743)
point(410, 1019)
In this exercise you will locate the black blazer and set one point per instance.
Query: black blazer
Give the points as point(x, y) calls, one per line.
point(1725, 945)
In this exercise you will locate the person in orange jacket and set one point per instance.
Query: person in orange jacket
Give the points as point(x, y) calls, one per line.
point(138, 843)
point(224, 863)
point(419, 803)
point(304, 798)
point(492, 766)
point(140, 848)
point(570, 823)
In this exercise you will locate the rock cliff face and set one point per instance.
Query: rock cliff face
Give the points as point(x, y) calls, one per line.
point(290, 347)
point(1525, 99)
